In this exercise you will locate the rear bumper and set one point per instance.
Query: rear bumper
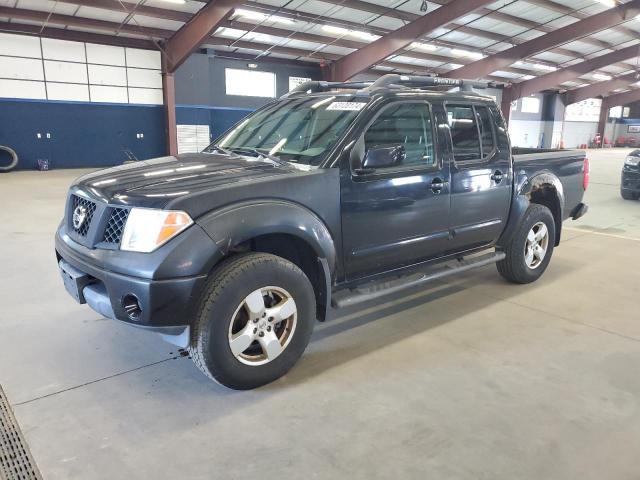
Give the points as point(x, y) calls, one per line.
point(630, 181)
point(580, 210)
point(166, 305)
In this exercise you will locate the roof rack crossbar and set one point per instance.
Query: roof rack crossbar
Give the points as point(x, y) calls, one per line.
point(417, 81)
point(323, 86)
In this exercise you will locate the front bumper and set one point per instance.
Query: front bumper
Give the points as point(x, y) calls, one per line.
point(631, 180)
point(166, 283)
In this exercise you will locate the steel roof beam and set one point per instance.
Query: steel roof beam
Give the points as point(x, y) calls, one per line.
point(346, 43)
point(504, 17)
point(543, 82)
point(571, 12)
point(621, 99)
point(193, 33)
point(76, 36)
point(128, 7)
point(598, 89)
point(595, 23)
point(59, 19)
point(376, 51)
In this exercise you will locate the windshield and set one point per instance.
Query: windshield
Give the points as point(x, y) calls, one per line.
point(299, 130)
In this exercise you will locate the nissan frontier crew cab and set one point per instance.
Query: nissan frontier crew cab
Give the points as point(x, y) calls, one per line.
point(332, 196)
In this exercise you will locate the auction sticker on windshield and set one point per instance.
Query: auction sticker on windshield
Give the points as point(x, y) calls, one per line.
point(352, 106)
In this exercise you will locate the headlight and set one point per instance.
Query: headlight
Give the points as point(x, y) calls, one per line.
point(632, 161)
point(146, 229)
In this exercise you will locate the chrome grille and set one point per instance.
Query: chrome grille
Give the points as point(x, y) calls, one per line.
point(115, 226)
point(90, 207)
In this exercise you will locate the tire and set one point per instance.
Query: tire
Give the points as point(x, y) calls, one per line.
point(628, 195)
point(235, 289)
point(517, 267)
point(14, 159)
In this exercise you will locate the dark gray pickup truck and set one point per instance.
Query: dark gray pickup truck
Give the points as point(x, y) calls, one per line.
point(334, 195)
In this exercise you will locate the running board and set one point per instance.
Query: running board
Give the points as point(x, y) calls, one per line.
point(376, 289)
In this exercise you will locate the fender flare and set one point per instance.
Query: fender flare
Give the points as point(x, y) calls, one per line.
point(525, 187)
point(543, 180)
point(239, 222)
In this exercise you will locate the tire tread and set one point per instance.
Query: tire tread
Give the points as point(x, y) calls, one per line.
point(220, 278)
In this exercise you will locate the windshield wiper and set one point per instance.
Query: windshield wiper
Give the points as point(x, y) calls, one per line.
point(258, 153)
point(211, 148)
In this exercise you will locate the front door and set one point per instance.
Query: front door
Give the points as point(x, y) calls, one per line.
point(481, 175)
point(396, 214)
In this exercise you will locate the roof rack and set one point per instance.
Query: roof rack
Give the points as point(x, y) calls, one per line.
point(322, 86)
point(419, 81)
point(394, 81)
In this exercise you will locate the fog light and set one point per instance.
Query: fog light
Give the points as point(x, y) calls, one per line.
point(132, 307)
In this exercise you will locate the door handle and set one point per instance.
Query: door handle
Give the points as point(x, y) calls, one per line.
point(437, 185)
point(497, 176)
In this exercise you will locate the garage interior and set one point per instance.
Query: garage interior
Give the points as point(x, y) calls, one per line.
point(470, 377)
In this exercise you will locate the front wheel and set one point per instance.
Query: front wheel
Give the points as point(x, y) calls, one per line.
point(255, 321)
point(530, 248)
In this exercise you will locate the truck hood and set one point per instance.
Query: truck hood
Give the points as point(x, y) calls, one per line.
point(157, 182)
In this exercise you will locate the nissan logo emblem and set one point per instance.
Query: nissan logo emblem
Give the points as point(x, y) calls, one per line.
point(79, 216)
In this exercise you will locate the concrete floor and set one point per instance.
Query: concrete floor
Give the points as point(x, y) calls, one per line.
point(473, 378)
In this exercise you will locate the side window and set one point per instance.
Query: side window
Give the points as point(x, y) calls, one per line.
point(485, 121)
point(464, 133)
point(405, 124)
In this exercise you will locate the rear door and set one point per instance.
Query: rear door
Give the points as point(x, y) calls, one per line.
point(480, 175)
point(397, 215)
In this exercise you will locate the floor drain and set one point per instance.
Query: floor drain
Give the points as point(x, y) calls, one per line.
point(16, 462)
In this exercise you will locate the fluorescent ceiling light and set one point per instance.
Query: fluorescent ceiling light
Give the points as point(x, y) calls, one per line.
point(263, 37)
point(455, 65)
point(370, 37)
point(335, 30)
point(252, 15)
point(423, 46)
point(600, 76)
point(607, 3)
point(364, 35)
point(535, 66)
point(542, 66)
point(465, 53)
point(179, 2)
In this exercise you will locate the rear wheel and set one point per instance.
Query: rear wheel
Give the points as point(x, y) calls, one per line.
point(530, 248)
point(628, 195)
point(255, 321)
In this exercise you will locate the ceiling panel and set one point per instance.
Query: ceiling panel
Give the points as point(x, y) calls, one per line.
point(156, 22)
point(189, 6)
point(46, 6)
point(101, 14)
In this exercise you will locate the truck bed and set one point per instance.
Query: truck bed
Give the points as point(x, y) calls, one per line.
point(567, 165)
point(548, 154)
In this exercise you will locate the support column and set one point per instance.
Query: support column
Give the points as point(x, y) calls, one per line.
point(506, 104)
point(169, 95)
point(602, 121)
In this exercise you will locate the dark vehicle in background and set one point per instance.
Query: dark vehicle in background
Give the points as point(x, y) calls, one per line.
point(332, 196)
point(630, 184)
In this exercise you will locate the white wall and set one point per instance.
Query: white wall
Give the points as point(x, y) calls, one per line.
point(525, 133)
point(49, 69)
point(575, 134)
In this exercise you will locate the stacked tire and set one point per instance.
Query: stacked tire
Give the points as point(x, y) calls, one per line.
point(13, 159)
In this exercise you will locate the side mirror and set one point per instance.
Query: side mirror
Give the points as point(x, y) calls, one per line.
point(380, 157)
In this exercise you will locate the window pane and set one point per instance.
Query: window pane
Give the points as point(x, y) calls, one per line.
point(250, 83)
point(404, 124)
point(300, 129)
point(464, 133)
point(486, 130)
